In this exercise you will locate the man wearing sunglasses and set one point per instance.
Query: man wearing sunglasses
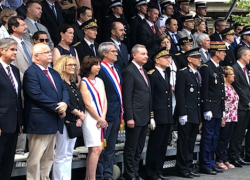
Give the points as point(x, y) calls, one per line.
point(34, 13)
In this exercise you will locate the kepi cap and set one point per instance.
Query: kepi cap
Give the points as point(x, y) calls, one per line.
point(91, 23)
point(140, 2)
point(193, 53)
point(185, 40)
point(161, 52)
point(114, 3)
point(228, 31)
point(218, 45)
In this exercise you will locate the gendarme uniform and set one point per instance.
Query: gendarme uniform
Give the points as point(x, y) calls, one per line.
point(187, 92)
point(212, 100)
point(162, 19)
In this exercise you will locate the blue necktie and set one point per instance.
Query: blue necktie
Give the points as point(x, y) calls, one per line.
point(53, 9)
point(11, 78)
point(37, 26)
point(26, 53)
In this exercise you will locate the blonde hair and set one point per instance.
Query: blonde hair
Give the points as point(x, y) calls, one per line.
point(59, 66)
point(5, 14)
point(226, 70)
point(197, 22)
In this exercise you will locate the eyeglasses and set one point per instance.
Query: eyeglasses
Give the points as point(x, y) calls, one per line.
point(47, 52)
point(71, 65)
point(42, 40)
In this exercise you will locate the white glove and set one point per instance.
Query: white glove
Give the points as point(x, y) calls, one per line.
point(152, 124)
point(183, 120)
point(208, 115)
point(224, 114)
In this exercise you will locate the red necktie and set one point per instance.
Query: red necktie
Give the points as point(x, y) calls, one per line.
point(143, 75)
point(153, 29)
point(47, 74)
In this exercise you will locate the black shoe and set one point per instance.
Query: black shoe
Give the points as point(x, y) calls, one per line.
point(163, 177)
point(208, 171)
point(195, 174)
point(236, 163)
point(242, 162)
point(218, 170)
point(185, 175)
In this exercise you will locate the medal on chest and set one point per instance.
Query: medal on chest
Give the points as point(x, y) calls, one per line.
point(215, 78)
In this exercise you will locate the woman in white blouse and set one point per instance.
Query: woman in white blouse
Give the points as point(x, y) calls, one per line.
point(4, 18)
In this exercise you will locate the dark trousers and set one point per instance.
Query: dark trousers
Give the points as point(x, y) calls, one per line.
point(185, 146)
point(224, 139)
point(156, 150)
point(105, 162)
point(235, 147)
point(247, 143)
point(8, 143)
point(209, 141)
point(134, 144)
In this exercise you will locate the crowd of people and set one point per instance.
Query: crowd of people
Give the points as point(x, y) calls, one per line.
point(69, 79)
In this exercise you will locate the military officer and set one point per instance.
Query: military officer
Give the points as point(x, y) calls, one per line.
point(245, 40)
point(162, 114)
point(185, 44)
point(201, 12)
point(228, 37)
point(167, 11)
point(187, 91)
point(212, 106)
point(116, 14)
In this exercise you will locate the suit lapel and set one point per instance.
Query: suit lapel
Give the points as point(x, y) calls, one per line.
point(163, 81)
point(241, 73)
point(6, 77)
point(140, 75)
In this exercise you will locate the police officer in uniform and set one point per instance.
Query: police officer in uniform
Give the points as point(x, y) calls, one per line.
point(201, 12)
point(116, 14)
point(185, 44)
point(245, 40)
point(187, 91)
point(228, 37)
point(162, 114)
point(167, 11)
point(212, 106)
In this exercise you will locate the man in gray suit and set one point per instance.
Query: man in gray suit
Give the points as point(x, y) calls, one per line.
point(203, 41)
point(34, 13)
point(188, 26)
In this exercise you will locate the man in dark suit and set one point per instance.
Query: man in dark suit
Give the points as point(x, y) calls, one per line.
point(21, 11)
point(136, 20)
point(136, 103)
point(88, 46)
point(82, 14)
point(161, 115)
point(111, 76)
point(212, 106)
point(241, 86)
point(219, 25)
point(172, 26)
point(117, 35)
point(148, 35)
point(201, 12)
point(228, 37)
point(11, 117)
point(187, 91)
point(45, 105)
point(237, 29)
point(52, 18)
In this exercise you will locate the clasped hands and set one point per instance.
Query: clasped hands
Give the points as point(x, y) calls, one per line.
point(61, 109)
point(101, 123)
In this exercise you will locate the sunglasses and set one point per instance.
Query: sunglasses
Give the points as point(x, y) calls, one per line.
point(42, 40)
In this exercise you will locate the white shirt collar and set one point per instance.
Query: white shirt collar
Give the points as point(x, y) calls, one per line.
point(161, 71)
point(4, 64)
point(189, 32)
point(141, 16)
point(137, 65)
point(50, 4)
point(116, 43)
point(79, 22)
point(216, 65)
point(42, 68)
point(88, 42)
point(19, 41)
point(194, 71)
point(241, 65)
point(149, 23)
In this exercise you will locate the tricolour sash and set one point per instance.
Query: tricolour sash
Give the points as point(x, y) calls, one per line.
point(116, 83)
point(98, 104)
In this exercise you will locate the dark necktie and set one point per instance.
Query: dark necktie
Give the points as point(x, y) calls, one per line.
point(198, 77)
point(207, 55)
point(92, 48)
point(54, 10)
point(47, 74)
point(175, 41)
point(37, 26)
point(11, 78)
point(26, 52)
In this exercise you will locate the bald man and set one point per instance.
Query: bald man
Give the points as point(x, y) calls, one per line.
point(46, 100)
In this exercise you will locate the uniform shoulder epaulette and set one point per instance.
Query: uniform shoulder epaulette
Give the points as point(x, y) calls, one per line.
point(205, 65)
point(177, 54)
point(151, 71)
point(183, 69)
point(76, 44)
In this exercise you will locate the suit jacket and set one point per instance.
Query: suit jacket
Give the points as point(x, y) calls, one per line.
point(22, 11)
point(174, 47)
point(114, 105)
point(32, 29)
point(184, 33)
point(187, 93)
point(78, 33)
point(215, 37)
point(212, 90)
point(146, 37)
point(229, 58)
point(241, 44)
point(122, 58)
point(204, 58)
point(83, 50)
point(161, 97)
point(136, 96)
point(11, 112)
point(22, 62)
point(181, 60)
point(242, 87)
point(134, 23)
point(51, 21)
point(41, 99)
